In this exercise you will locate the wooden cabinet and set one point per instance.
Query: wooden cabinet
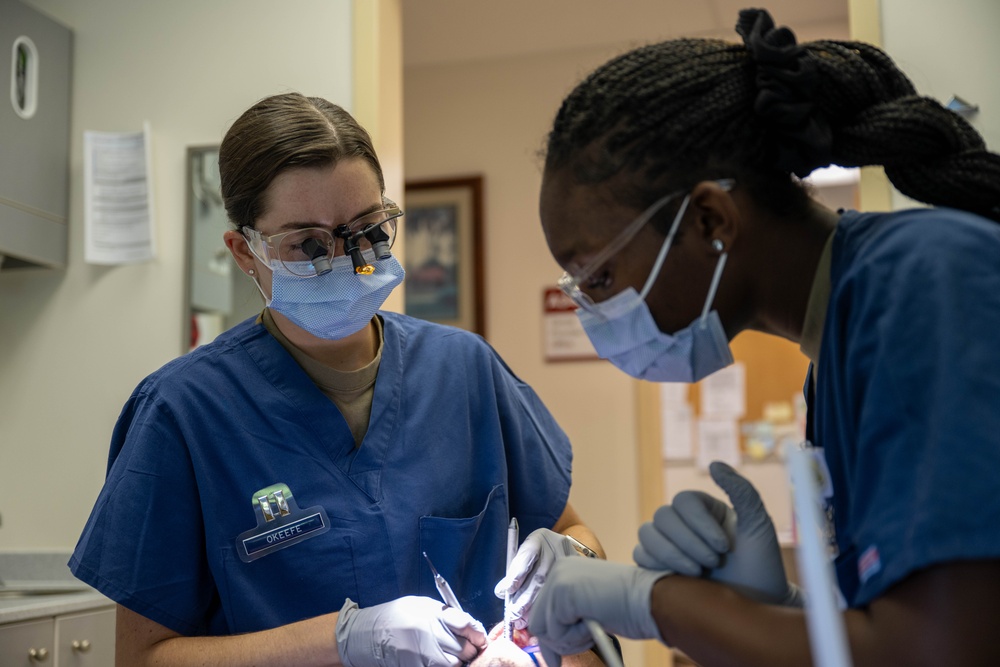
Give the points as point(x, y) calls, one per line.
point(86, 639)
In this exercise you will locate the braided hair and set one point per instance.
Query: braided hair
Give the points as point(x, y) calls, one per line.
point(686, 110)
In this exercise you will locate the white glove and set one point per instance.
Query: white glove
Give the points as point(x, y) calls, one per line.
point(528, 570)
point(409, 632)
point(614, 595)
point(699, 535)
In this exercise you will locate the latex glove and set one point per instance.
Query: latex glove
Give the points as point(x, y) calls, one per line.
point(699, 535)
point(528, 570)
point(614, 595)
point(409, 632)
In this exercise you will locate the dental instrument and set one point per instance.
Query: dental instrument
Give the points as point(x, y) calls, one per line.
point(580, 547)
point(513, 538)
point(443, 588)
point(601, 639)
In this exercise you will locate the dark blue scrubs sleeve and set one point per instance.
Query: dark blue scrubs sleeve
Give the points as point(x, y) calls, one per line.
point(913, 349)
point(143, 546)
point(539, 456)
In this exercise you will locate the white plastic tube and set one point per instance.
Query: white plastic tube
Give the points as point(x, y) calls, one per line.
point(827, 636)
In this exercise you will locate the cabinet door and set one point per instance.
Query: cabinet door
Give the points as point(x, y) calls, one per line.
point(27, 644)
point(86, 639)
point(36, 56)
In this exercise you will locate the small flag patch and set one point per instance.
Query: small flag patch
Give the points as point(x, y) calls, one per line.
point(869, 564)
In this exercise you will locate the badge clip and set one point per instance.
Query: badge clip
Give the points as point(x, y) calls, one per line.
point(280, 523)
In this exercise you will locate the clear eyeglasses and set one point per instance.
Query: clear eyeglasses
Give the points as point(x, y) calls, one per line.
point(571, 280)
point(307, 252)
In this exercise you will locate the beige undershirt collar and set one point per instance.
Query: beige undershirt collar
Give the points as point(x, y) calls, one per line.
point(819, 299)
point(351, 391)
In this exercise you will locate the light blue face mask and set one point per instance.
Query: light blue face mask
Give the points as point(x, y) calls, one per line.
point(335, 304)
point(623, 331)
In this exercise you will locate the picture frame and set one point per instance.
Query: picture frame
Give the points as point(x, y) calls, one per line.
point(442, 234)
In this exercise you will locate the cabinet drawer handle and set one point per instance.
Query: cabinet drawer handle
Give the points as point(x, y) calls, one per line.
point(38, 655)
point(81, 645)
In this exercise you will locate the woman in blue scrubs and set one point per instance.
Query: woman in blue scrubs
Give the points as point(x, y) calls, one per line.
point(273, 497)
point(670, 198)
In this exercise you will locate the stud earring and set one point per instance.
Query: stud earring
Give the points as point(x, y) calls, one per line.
point(251, 272)
point(718, 245)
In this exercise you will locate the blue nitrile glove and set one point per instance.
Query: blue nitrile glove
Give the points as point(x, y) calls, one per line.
point(699, 535)
point(614, 595)
point(528, 570)
point(409, 632)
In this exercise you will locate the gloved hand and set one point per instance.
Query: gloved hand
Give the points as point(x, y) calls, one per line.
point(614, 595)
point(528, 571)
point(409, 632)
point(699, 535)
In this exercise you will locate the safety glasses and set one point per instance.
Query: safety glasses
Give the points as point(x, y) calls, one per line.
point(308, 252)
point(571, 280)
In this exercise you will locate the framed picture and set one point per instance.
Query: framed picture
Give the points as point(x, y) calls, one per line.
point(442, 232)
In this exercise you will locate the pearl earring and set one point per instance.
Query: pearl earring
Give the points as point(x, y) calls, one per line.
point(250, 272)
point(718, 245)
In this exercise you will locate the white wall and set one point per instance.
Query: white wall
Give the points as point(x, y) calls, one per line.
point(948, 48)
point(74, 343)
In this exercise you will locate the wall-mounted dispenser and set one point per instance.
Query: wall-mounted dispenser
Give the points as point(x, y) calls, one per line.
point(34, 138)
point(24, 77)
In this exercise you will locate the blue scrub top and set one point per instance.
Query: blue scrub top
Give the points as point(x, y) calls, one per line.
point(907, 402)
point(456, 444)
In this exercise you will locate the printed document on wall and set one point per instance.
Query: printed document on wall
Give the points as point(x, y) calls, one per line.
point(118, 197)
point(724, 393)
point(718, 440)
point(676, 417)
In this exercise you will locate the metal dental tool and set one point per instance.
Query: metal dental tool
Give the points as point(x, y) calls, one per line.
point(512, 540)
point(580, 547)
point(443, 588)
point(601, 639)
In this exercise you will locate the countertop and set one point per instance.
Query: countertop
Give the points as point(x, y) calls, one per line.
point(54, 590)
point(43, 606)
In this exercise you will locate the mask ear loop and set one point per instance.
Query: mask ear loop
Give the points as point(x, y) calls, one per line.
point(664, 248)
point(267, 301)
point(717, 244)
point(252, 273)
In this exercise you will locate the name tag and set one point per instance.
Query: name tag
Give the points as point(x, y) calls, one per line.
point(280, 524)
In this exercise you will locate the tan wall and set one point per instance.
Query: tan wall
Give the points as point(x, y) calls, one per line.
point(74, 343)
point(490, 118)
point(378, 97)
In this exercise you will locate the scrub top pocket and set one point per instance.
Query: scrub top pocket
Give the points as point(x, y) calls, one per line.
point(470, 553)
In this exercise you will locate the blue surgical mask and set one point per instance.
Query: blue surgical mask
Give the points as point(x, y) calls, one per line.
point(336, 304)
point(623, 331)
